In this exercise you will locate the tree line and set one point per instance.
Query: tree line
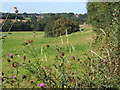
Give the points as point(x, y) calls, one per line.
point(53, 24)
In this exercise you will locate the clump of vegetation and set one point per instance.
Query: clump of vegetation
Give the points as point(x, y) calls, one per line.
point(104, 16)
point(38, 63)
point(58, 26)
point(37, 22)
point(98, 70)
point(18, 26)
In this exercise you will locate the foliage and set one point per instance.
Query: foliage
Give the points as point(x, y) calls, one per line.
point(57, 66)
point(58, 26)
point(57, 75)
point(104, 17)
point(80, 18)
point(98, 70)
point(38, 21)
point(7, 25)
point(39, 25)
point(11, 16)
point(22, 26)
point(18, 26)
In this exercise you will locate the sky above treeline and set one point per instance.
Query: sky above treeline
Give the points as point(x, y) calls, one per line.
point(44, 7)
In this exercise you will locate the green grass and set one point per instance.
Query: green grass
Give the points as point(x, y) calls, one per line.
point(79, 40)
point(27, 18)
point(78, 46)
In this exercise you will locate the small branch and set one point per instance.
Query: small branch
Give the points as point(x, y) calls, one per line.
point(12, 24)
point(61, 39)
point(108, 53)
point(96, 54)
point(4, 21)
point(103, 31)
point(67, 37)
point(45, 58)
point(41, 51)
point(73, 47)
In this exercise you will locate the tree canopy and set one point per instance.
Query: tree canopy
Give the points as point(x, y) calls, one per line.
point(59, 25)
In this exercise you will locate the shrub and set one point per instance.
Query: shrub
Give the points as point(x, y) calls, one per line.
point(104, 17)
point(58, 26)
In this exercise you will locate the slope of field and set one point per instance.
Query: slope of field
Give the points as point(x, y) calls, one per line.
point(78, 45)
point(79, 42)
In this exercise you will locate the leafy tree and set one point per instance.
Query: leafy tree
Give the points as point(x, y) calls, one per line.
point(34, 18)
point(104, 16)
point(21, 26)
point(59, 25)
point(24, 15)
point(39, 24)
point(7, 25)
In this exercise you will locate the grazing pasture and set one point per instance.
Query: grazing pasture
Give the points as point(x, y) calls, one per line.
point(88, 58)
point(44, 52)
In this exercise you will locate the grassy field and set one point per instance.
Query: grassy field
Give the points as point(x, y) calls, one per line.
point(78, 45)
